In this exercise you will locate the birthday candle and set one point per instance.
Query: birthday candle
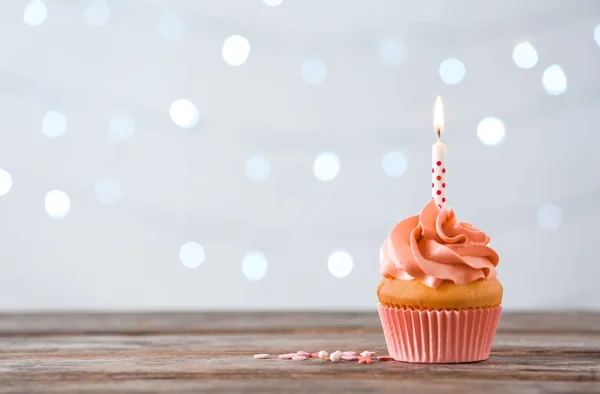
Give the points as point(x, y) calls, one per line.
point(438, 157)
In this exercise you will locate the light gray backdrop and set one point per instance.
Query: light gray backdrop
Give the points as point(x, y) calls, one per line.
point(86, 99)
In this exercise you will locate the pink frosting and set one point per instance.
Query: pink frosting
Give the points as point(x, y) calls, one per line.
point(434, 248)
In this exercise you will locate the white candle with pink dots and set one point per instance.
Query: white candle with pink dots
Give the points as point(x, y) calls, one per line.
point(438, 157)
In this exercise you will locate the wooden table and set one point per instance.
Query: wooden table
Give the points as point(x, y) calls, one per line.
point(212, 352)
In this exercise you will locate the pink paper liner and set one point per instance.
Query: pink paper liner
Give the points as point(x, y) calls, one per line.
point(439, 336)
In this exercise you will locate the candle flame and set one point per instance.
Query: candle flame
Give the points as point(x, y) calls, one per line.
point(438, 116)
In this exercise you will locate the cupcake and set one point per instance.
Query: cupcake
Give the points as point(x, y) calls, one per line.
point(439, 301)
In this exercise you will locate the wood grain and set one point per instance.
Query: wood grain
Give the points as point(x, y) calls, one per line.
point(195, 352)
point(242, 322)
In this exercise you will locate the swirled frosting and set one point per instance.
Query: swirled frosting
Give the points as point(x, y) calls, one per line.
point(434, 247)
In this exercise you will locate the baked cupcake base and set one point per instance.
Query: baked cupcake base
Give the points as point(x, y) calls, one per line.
point(411, 294)
point(439, 336)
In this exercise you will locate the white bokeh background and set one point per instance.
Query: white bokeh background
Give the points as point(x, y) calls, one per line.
point(254, 154)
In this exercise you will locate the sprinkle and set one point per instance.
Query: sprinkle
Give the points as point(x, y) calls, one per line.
point(323, 354)
point(298, 358)
point(302, 353)
point(259, 356)
point(366, 353)
point(338, 351)
point(385, 358)
point(350, 357)
point(335, 357)
point(348, 353)
point(287, 356)
point(365, 360)
point(314, 355)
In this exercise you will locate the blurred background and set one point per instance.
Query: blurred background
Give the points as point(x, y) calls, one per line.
point(234, 154)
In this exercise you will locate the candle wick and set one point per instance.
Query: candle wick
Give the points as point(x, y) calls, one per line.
point(439, 134)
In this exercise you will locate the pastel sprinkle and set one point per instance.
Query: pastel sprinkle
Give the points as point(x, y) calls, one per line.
point(260, 356)
point(364, 358)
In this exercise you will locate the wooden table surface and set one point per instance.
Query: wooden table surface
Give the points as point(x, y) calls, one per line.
point(212, 352)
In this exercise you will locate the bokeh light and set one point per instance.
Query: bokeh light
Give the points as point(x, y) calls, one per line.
point(257, 168)
point(254, 266)
point(184, 113)
point(452, 71)
point(35, 13)
point(272, 3)
point(191, 254)
point(392, 51)
point(54, 124)
point(340, 263)
point(491, 131)
point(5, 182)
point(549, 217)
point(57, 203)
point(394, 164)
point(236, 50)
point(525, 55)
point(554, 80)
point(172, 27)
point(313, 72)
point(107, 191)
point(97, 13)
point(326, 166)
point(121, 127)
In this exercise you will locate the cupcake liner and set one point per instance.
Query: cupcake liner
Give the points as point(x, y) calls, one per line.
point(439, 336)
